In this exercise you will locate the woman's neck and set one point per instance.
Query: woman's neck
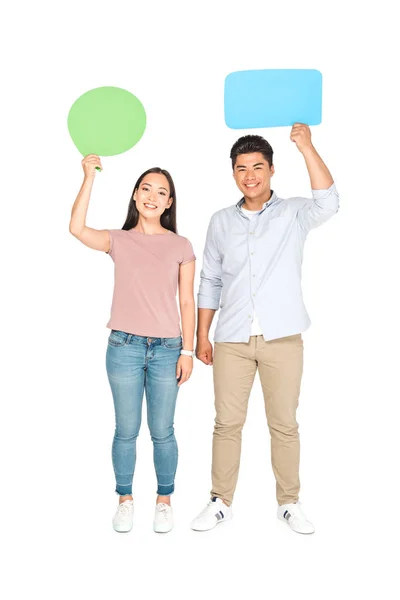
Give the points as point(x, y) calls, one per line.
point(148, 227)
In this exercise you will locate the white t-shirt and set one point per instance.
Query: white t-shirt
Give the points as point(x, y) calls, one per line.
point(255, 326)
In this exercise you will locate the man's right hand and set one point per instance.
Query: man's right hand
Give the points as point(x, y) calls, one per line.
point(204, 351)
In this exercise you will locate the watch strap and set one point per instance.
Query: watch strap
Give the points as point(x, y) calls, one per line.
point(187, 353)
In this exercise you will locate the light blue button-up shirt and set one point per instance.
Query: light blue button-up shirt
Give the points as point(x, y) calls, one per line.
point(254, 265)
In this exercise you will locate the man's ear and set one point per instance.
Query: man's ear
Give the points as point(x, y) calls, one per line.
point(272, 170)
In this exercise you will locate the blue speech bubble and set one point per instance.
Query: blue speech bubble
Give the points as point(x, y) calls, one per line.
point(273, 98)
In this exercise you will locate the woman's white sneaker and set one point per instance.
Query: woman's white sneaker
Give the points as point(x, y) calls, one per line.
point(214, 513)
point(123, 518)
point(163, 518)
point(296, 519)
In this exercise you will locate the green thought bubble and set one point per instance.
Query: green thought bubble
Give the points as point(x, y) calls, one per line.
point(106, 121)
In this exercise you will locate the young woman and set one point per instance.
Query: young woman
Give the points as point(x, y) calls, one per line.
point(145, 349)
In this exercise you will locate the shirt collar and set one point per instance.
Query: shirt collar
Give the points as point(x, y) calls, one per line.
point(273, 199)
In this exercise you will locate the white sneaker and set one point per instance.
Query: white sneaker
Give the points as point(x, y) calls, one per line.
point(163, 518)
point(294, 516)
point(123, 518)
point(215, 512)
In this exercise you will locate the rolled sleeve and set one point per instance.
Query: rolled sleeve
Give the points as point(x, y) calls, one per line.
point(111, 251)
point(324, 204)
point(211, 273)
point(188, 254)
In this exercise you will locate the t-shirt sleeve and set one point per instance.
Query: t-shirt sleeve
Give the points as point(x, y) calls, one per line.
point(113, 235)
point(188, 254)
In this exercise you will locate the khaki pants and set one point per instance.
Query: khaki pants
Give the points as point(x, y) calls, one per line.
point(280, 366)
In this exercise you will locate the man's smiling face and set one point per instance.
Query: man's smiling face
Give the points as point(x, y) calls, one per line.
point(253, 174)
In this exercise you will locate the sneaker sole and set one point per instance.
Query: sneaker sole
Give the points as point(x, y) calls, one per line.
point(162, 530)
point(224, 520)
point(122, 530)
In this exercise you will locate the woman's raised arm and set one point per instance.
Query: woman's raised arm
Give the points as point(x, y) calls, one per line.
point(93, 238)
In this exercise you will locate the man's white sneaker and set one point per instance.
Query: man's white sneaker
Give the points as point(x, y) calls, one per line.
point(215, 512)
point(123, 518)
point(294, 516)
point(163, 518)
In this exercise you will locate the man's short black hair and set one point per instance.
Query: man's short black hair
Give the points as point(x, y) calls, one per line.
point(249, 144)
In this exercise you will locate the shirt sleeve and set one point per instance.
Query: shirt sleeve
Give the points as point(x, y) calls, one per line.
point(113, 234)
point(188, 254)
point(324, 204)
point(211, 274)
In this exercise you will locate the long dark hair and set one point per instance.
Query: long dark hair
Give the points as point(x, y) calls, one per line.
point(168, 218)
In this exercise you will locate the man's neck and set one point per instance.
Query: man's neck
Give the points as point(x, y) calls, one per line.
point(256, 203)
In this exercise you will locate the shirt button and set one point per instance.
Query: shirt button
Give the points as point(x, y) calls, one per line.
point(252, 253)
point(253, 294)
point(251, 232)
point(249, 316)
point(253, 275)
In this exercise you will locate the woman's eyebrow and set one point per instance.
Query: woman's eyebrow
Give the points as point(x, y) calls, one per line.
point(161, 188)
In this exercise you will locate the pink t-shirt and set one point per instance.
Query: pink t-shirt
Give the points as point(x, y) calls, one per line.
point(146, 280)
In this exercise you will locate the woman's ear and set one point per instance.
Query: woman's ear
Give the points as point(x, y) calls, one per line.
point(170, 201)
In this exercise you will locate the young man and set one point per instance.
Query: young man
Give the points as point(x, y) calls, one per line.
point(252, 271)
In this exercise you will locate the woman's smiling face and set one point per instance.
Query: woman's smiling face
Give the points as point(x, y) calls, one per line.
point(153, 196)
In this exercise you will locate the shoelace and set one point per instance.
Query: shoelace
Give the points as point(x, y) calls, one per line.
point(206, 510)
point(124, 509)
point(162, 509)
point(296, 511)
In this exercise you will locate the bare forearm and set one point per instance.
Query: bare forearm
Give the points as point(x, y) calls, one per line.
point(80, 207)
point(320, 177)
point(188, 317)
point(204, 320)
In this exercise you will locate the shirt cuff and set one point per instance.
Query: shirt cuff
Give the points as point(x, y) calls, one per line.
point(110, 252)
point(321, 194)
point(207, 302)
point(185, 262)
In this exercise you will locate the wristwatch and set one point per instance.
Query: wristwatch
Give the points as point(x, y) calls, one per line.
point(188, 353)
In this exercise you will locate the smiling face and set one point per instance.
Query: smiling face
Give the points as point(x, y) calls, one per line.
point(253, 174)
point(153, 196)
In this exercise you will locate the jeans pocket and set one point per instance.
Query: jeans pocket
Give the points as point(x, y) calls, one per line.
point(117, 338)
point(174, 343)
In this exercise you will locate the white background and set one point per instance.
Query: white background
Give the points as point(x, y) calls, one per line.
point(57, 416)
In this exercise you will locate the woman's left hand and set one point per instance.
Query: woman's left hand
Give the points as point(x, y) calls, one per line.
point(184, 368)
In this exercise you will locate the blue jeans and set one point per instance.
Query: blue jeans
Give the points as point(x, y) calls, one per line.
point(136, 364)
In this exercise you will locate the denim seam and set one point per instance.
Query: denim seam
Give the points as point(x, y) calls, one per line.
point(173, 347)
